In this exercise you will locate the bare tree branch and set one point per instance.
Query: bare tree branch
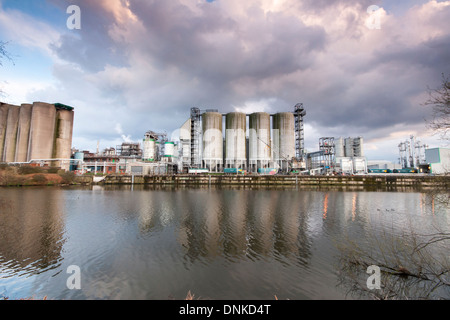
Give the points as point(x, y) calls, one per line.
point(439, 100)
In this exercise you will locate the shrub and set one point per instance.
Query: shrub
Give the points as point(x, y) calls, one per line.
point(68, 177)
point(29, 170)
point(39, 178)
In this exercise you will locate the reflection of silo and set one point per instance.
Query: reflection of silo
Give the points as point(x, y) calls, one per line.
point(149, 152)
point(63, 137)
point(212, 141)
point(235, 140)
point(23, 132)
point(259, 140)
point(283, 138)
point(9, 151)
point(3, 120)
point(42, 130)
point(339, 147)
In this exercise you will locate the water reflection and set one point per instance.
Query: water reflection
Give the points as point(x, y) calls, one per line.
point(32, 227)
point(152, 242)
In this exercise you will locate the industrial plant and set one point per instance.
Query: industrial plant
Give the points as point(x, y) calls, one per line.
point(38, 133)
point(209, 142)
point(231, 143)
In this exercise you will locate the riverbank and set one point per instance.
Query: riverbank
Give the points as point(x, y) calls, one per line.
point(41, 177)
point(374, 181)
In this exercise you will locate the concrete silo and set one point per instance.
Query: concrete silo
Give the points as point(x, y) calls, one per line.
point(283, 139)
point(63, 136)
point(23, 132)
point(259, 141)
point(212, 141)
point(235, 140)
point(3, 121)
point(12, 124)
point(358, 150)
point(42, 131)
point(339, 147)
point(349, 147)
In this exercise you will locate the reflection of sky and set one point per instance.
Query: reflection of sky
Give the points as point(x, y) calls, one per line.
point(151, 243)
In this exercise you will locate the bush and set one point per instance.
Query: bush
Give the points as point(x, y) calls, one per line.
point(68, 177)
point(39, 178)
point(29, 170)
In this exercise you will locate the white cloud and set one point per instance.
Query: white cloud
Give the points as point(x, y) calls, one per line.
point(141, 65)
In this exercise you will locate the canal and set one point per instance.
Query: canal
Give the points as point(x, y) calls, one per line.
point(141, 242)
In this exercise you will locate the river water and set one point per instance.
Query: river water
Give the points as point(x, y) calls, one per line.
point(218, 243)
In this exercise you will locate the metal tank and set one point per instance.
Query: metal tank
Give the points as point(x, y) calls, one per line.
point(339, 147)
point(63, 137)
point(23, 132)
point(79, 156)
point(283, 139)
point(12, 123)
point(42, 131)
point(149, 152)
point(349, 147)
point(169, 149)
point(235, 140)
point(259, 141)
point(358, 147)
point(212, 141)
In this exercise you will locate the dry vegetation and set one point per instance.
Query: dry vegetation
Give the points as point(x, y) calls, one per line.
point(33, 176)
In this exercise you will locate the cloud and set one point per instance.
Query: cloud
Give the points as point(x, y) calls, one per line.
point(147, 63)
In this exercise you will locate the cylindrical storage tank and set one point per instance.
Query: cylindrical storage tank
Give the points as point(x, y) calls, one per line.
point(79, 156)
point(259, 140)
point(358, 150)
point(23, 132)
point(63, 137)
point(149, 152)
point(283, 138)
point(235, 140)
point(3, 121)
point(12, 124)
point(349, 147)
point(42, 131)
point(339, 147)
point(212, 141)
point(169, 149)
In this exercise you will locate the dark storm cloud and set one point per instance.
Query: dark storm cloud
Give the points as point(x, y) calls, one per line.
point(91, 47)
point(216, 47)
point(157, 59)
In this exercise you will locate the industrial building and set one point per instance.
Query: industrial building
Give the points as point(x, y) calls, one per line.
point(438, 160)
point(36, 133)
point(338, 155)
point(237, 141)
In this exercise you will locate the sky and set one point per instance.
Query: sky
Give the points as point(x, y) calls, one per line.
point(139, 65)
